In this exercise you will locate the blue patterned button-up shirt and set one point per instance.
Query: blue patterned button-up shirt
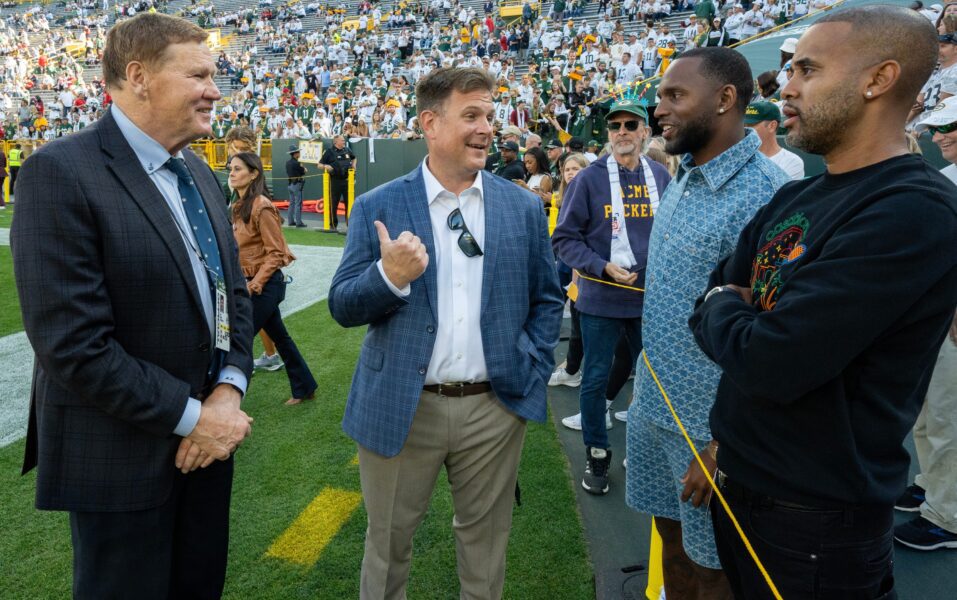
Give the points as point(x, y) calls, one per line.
point(697, 225)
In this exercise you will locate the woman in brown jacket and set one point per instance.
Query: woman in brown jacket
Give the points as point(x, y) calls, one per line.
point(262, 252)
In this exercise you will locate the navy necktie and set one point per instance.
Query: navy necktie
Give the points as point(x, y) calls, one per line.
point(205, 238)
point(198, 219)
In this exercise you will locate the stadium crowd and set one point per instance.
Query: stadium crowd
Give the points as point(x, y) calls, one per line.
point(354, 74)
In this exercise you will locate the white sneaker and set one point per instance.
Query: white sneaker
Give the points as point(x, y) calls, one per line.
point(575, 421)
point(268, 363)
point(622, 415)
point(561, 377)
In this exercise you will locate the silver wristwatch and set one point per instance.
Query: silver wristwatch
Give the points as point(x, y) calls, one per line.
point(716, 290)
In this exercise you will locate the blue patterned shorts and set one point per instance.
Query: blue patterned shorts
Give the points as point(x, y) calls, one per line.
point(657, 460)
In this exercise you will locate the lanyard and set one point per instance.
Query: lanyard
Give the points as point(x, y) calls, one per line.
point(621, 252)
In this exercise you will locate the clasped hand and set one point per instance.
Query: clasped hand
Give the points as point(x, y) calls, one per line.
point(620, 274)
point(404, 259)
point(221, 428)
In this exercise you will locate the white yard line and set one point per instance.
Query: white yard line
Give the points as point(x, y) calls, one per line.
point(312, 274)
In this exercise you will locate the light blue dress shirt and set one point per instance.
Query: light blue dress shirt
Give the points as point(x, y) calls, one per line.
point(152, 155)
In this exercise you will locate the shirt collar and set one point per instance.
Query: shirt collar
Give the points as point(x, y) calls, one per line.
point(721, 168)
point(151, 154)
point(433, 188)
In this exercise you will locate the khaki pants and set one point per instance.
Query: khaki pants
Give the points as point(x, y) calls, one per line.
point(935, 435)
point(480, 444)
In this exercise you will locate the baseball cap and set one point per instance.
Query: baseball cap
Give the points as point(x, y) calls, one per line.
point(944, 113)
point(551, 144)
point(630, 106)
point(576, 144)
point(758, 112)
point(510, 145)
point(593, 143)
point(789, 45)
point(512, 130)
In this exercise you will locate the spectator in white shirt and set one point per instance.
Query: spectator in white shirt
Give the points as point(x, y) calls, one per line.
point(764, 118)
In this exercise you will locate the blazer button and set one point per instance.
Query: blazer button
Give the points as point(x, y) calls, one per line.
point(430, 329)
point(204, 347)
point(422, 371)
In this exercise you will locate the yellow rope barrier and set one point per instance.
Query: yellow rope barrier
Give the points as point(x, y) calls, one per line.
point(714, 486)
point(611, 283)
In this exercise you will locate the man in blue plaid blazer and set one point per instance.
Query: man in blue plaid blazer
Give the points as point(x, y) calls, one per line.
point(463, 309)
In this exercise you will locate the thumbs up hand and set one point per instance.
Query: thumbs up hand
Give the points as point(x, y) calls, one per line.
point(404, 259)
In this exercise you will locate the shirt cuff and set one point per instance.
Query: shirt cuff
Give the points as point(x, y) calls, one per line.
point(400, 293)
point(189, 419)
point(233, 376)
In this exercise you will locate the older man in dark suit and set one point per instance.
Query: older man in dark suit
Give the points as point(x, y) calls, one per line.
point(135, 305)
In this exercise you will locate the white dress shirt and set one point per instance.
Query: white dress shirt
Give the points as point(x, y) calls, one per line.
point(458, 355)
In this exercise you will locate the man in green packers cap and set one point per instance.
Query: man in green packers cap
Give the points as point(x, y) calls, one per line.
point(592, 149)
point(764, 118)
point(553, 150)
point(603, 233)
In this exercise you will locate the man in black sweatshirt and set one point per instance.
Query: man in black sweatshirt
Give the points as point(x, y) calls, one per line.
point(827, 319)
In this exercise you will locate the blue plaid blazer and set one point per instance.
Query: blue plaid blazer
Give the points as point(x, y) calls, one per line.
point(521, 308)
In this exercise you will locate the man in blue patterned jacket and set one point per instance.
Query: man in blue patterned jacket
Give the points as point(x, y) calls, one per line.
point(450, 369)
point(722, 181)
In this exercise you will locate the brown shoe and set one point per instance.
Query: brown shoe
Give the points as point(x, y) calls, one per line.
point(294, 401)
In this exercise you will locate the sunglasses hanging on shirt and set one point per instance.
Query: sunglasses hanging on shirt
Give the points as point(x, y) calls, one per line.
point(467, 243)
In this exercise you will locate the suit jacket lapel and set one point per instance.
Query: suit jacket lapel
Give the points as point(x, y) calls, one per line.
point(123, 163)
point(417, 202)
point(495, 210)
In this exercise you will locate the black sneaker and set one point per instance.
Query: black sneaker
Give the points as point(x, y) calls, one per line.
point(921, 534)
point(911, 499)
point(596, 470)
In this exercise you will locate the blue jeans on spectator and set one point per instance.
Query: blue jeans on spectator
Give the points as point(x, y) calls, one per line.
point(295, 204)
point(599, 337)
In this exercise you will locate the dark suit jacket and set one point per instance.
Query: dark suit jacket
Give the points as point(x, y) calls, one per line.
point(112, 309)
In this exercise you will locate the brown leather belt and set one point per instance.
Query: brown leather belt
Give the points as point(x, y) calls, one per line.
point(458, 390)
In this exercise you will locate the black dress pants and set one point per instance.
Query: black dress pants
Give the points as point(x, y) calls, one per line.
point(176, 550)
point(339, 190)
point(266, 316)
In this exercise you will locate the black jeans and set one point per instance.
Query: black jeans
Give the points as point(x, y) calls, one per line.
point(266, 316)
point(826, 554)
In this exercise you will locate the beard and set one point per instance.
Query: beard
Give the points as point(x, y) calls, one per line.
point(691, 137)
point(821, 125)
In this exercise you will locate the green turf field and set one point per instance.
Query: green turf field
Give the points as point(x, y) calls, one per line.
point(293, 455)
point(10, 321)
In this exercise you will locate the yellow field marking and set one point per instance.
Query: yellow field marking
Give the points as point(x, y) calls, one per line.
point(303, 542)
